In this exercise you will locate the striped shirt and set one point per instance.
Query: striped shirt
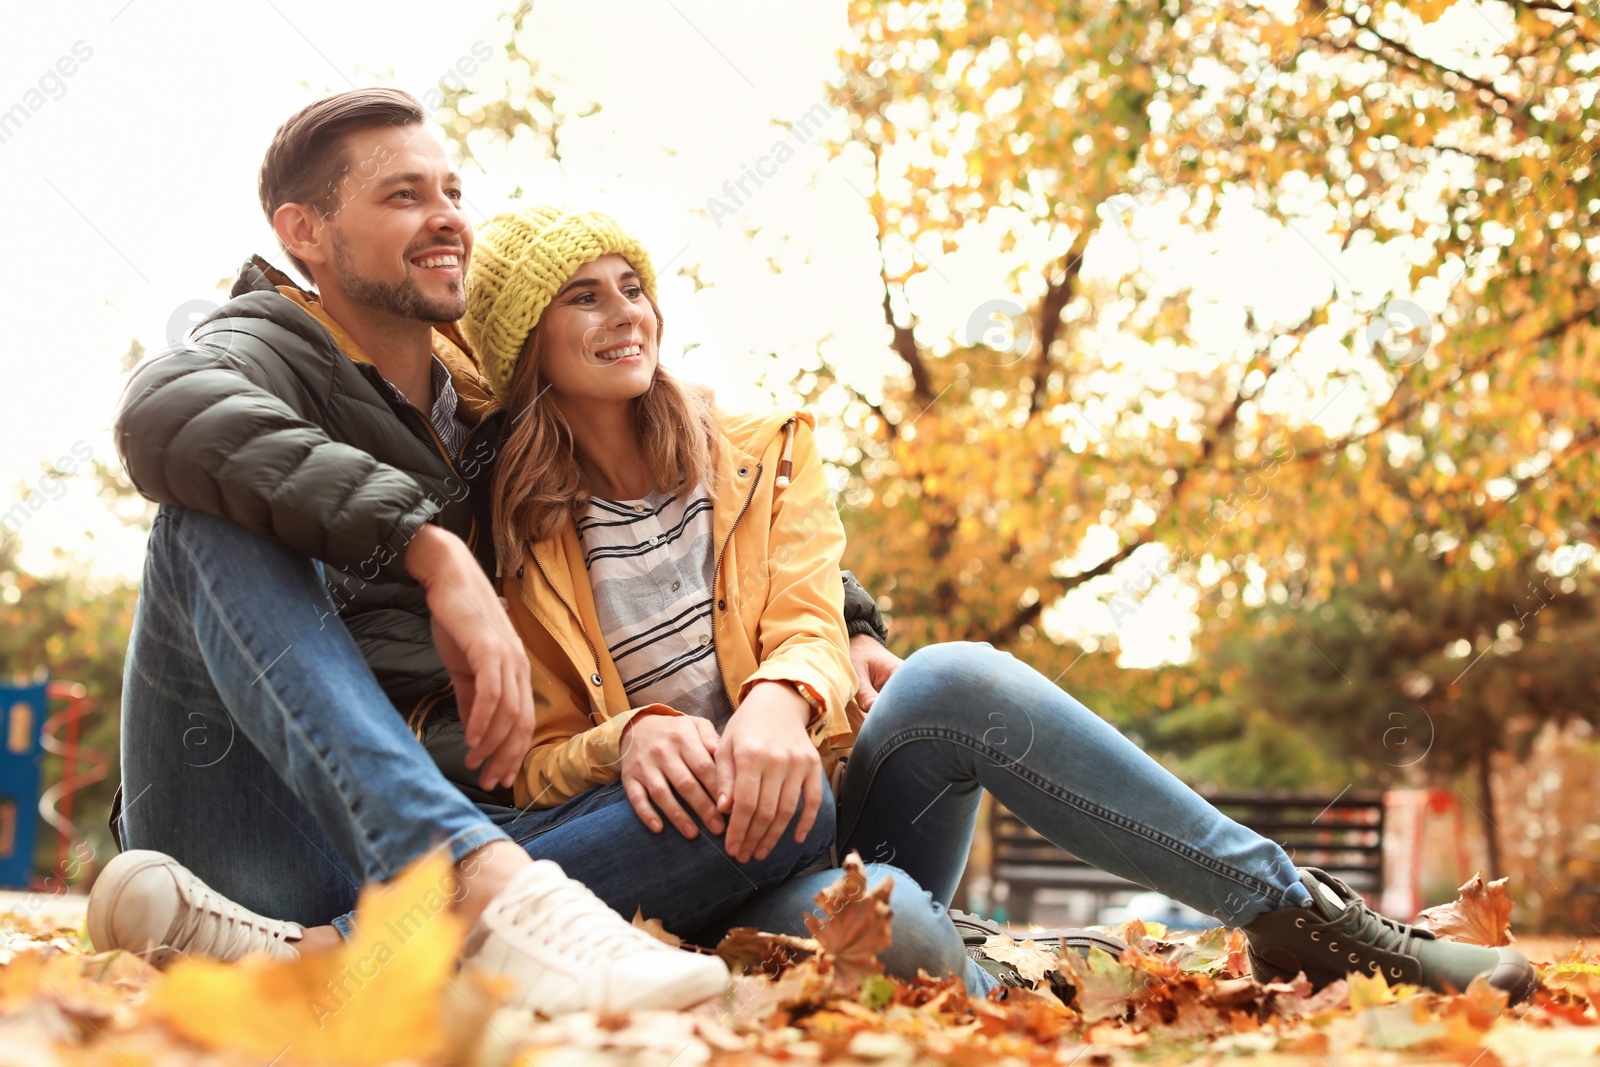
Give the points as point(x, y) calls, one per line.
point(451, 430)
point(651, 565)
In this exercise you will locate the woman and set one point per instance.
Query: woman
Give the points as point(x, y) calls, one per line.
point(675, 578)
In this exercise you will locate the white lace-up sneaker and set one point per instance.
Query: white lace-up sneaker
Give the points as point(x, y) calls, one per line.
point(150, 904)
point(567, 951)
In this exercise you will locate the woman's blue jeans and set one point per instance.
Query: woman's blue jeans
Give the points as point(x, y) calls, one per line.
point(957, 719)
point(259, 750)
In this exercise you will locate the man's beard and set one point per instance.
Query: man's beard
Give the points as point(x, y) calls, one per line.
point(397, 298)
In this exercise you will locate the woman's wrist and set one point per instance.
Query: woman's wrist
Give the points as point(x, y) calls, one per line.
point(787, 697)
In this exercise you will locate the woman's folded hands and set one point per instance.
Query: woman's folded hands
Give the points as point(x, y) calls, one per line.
point(767, 769)
point(748, 783)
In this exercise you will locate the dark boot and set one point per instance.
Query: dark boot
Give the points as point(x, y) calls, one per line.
point(975, 930)
point(1339, 934)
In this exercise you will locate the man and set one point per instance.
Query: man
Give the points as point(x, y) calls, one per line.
point(319, 563)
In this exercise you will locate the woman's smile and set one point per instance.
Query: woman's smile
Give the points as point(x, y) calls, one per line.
point(631, 352)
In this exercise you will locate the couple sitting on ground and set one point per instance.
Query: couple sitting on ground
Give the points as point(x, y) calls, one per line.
point(664, 710)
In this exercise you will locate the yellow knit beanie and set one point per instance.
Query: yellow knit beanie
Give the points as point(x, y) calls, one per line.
point(520, 260)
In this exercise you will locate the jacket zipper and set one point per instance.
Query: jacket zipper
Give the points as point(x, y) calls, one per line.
point(424, 708)
point(593, 651)
point(716, 574)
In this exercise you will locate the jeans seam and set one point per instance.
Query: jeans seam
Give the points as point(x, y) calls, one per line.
point(1116, 819)
point(291, 719)
point(540, 831)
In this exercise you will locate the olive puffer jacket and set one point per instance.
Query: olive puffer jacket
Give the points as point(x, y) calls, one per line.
point(262, 419)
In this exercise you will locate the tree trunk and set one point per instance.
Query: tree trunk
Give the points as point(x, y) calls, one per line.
point(1491, 832)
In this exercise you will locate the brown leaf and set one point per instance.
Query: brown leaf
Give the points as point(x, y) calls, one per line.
point(1238, 956)
point(1481, 1004)
point(1031, 961)
point(1160, 968)
point(1334, 996)
point(760, 1003)
point(1039, 1015)
point(1206, 953)
point(744, 948)
point(857, 924)
point(933, 995)
point(654, 928)
point(1104, 986)
point(1481, 915)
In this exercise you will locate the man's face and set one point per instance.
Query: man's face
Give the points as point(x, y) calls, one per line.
point(399, 239)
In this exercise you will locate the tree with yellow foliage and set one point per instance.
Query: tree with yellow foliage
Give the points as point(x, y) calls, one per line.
point(1449, 413)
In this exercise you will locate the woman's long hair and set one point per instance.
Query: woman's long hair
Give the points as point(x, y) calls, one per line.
point(538, 483)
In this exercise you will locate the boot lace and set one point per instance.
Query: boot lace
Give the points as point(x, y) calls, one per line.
point(1367, 927)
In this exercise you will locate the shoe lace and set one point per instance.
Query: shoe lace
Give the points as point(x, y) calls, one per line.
point(216, 928)
point(1368, 927)
point(567, 917)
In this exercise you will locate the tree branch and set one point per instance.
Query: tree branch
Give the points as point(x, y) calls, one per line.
point(904, 344)
point(1401, 55)
point(1462, 371)
point(1057, 295)
point(1214, 437)
point(903, 339)
point(1543, 5)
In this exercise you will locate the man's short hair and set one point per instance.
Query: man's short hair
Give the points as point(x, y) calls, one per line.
point(306, 164)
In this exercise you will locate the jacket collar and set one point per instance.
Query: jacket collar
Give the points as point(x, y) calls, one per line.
point(476, 400)
point(745, 438)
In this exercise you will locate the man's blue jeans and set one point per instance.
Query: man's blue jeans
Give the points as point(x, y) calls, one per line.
point(957, 719)
point(259, 750)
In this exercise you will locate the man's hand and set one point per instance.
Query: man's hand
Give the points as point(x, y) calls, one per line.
point(874, 664)
point(767, 768)
point(487, 663)
point(668, 757)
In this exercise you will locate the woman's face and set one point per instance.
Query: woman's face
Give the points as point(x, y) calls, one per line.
point(600, 334)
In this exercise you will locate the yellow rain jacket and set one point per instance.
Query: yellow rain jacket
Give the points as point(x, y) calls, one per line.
point(778, 614)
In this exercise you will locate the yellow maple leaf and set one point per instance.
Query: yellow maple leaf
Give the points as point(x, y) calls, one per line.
point(376, 998)
point(1369, 991)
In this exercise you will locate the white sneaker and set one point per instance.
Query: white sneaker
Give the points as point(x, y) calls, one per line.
point(150, 904)
point(567, 951)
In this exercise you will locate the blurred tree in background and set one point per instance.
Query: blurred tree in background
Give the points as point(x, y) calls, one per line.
point(1419, 561)
point(75, 629)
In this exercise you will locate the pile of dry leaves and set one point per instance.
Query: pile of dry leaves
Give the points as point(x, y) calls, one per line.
point(392, 995)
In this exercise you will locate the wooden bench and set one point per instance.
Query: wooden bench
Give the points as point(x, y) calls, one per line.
point(1342, 834)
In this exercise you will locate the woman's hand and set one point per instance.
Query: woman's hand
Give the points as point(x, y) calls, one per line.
point(666, 758)
point(767, 768)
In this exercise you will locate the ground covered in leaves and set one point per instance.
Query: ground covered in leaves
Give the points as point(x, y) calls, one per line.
point(393, 994)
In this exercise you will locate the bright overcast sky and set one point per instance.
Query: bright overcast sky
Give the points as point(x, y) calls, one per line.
point(132, 193)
